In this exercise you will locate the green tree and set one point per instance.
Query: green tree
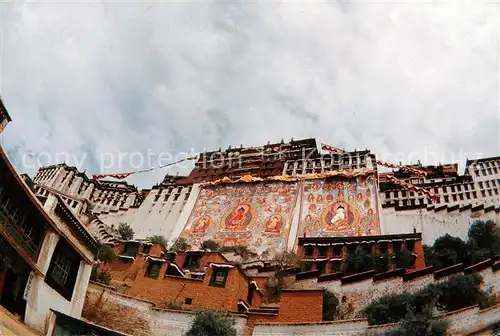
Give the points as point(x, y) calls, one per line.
point(484, 239)
point(158, 239)
point(210, 245)
point(404, 258)
point(125, 231)
point(382, 262)
point(330, 305)
point(448, 251)
point(106, 253)
point(459, 291)
point(211, 323)
point(389, 308)
point(180, 244)
point(420, 324)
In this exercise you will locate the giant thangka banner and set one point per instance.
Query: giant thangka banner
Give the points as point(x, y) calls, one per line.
point(257, 215)
point(339, 207)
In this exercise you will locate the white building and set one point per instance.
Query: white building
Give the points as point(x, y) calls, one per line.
point(46, 253)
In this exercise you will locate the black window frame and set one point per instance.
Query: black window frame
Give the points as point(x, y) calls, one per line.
point(213, 276)
point(64, 250)
point(146, 249)
point(149, 269)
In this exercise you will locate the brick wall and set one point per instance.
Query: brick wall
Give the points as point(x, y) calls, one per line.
point(301, 306)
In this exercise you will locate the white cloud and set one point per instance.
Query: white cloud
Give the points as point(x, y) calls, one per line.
point(124, 77)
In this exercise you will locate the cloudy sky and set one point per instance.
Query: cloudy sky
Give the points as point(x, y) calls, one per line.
point(412, 79)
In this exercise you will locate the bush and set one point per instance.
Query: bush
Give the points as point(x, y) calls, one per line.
point(330, 304)
point(458, 292)
point(387, 309)
point(158, 239)
point(180, 244)
point(106, 253)
point(358, 262)
point(125, 231)
point(210, 245)
point(420, 324)
point(382, 262)
point(485, 236)
point(486, 300)
point(211, 323)
point(448, 251)
point(101, 277)
point(404, 259)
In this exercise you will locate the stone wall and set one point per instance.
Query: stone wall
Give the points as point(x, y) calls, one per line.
point(359, 294)
point(461, 322)
point(161, 322)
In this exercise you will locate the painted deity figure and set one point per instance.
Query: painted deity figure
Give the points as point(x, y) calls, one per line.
point(274, 224)
point(339, 215)
point(202, 224)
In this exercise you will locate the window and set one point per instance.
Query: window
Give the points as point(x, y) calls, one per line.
point(487, 184)
point(336, 266)
point(130, 249)
point(321, 266)
point(219, 277)
point(480, 185)
point(188, 301)
point(63, 270)
point(153, 269)
point(483, 193)
point(410, 245)
point(192, 261)
point(322, 251)
point(146, 249)
point(309, 251)
point(337, 251)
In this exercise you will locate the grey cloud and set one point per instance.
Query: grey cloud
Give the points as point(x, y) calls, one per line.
point(109, 77)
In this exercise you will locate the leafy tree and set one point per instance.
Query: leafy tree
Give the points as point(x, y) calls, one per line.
point(180, 244)
point(382, 262)
point(360, 261)
point(330, 305)
point(125, 231)
point(100, 276)
point(276, 283)
point(389, 308)
point(211, 323)
point(458, 292)
point(210, 245)
point(106, 253)
point(404, 258)
point(158, 239)
point(420, 324)
point(448, 251)
point(485, 237)
point(428, 255)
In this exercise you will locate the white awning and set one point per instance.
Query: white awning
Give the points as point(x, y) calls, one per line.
point(338, 244)
point(177, 268)
point(309, 244)
point(324, 244)
point(126, 257)
point(397, 240)
point(352, 242)
point(336, 259)
point(383, 241)
point(156, 259)
point(221, 265)
point(325, 259)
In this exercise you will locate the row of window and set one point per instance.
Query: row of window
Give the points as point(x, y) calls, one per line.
point(45, 174)
point(218, 278)
point(340, 250)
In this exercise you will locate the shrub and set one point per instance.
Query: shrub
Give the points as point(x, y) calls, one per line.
point(102, 277)
point(387, 309)
point(404, 258)
point(180, 244)
point(458, 292)
point(210, 245)
point(125, 231)
point(158, 239)
point(330, 304)
point(448, 251)
point(106, 253)
point(485, 236)
point(486, 300)
point(382, 262)
point(420, 324)
point(211, 323)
